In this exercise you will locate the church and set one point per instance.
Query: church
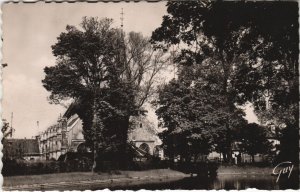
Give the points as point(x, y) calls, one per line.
point(66, 136)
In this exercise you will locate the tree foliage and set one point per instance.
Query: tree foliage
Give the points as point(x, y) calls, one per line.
point(6, 129)
point(84, 60)
point(289, 144)
point(195, 115)
point(254, 140)
point(201, 61)
point(88, 65)
point(255, 45)
point(109, 76)
point(248, 50)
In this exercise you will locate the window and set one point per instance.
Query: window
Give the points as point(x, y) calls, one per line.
point(141, 125)
point(145, 148)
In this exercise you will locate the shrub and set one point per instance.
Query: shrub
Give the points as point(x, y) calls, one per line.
point(22, 167)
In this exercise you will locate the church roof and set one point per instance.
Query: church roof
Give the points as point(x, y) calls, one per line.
point(71, 110)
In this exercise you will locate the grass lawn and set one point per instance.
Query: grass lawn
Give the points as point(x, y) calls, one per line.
point(84, 176)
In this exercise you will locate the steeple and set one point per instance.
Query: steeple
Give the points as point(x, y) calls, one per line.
point(122, 19)
point(122, 47)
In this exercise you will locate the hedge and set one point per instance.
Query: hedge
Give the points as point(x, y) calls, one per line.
point(23, 167)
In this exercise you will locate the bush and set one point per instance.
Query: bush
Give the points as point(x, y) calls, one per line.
point(22, 167)
point(152, 163)
point(75, 164)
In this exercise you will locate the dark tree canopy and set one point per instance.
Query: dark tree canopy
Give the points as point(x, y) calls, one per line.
point(259, 38)
point(88, 70)
point(108, 75)
point(250, 50)
point(254, 140)
point(84, 60)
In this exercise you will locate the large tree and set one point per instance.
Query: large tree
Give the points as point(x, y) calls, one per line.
point(182, 112)
point(253, 46)
point(85, 59)
point(268, 75)
point(109, 76)
point(194, 113)
point(206, 57)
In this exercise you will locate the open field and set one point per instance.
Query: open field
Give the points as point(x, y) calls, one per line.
point(86, 179)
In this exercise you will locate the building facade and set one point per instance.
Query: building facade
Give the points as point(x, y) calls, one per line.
point(67, 136)
point(143, 135)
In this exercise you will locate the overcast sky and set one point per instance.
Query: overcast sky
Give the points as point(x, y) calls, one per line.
point(29, 30)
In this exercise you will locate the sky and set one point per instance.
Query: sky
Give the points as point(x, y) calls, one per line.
point(30, 29)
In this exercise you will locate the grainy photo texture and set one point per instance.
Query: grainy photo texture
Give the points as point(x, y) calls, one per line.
point(139, 95)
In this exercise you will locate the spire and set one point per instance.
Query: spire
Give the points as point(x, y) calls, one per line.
point(122, 18)
point(122, 47)
point(38, 127)
point(11, 125)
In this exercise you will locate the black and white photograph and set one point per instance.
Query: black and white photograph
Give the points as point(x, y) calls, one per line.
point(155, 95)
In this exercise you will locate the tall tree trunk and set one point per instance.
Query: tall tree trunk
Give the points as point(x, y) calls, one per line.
point(94, 124)
point(228, 144)
point(122, 159)
point(229, 156)
point(172, 152)
point(252, 156)
point(225, 160)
